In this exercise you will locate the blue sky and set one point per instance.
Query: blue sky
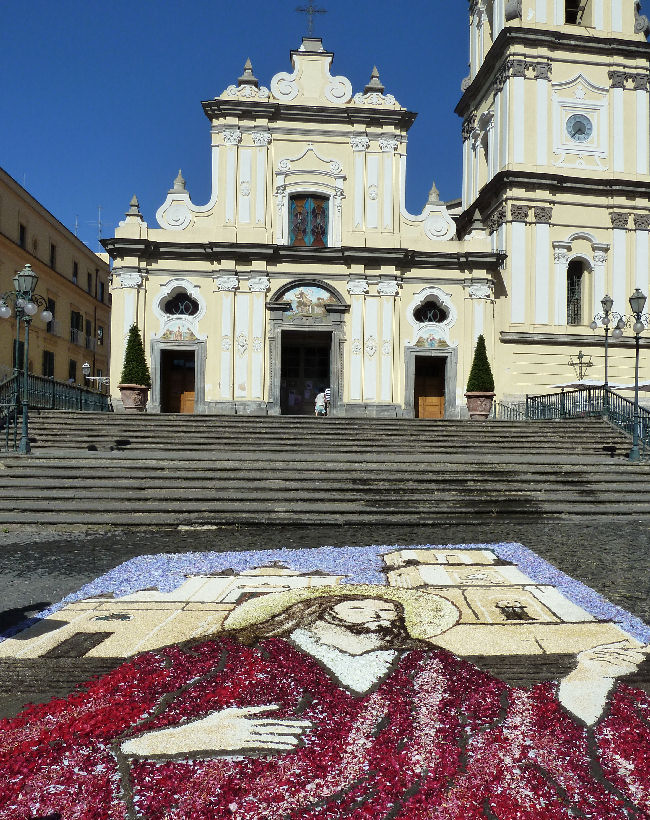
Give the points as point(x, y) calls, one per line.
point(101, 100)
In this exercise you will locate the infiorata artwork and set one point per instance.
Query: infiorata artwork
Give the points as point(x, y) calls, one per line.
point(452, 682)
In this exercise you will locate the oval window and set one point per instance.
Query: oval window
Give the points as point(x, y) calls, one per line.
point(181, 305)
point(430, 311)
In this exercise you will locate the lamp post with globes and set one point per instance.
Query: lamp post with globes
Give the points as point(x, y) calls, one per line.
point(605, 319)
point(639, 321)
point(26, 304)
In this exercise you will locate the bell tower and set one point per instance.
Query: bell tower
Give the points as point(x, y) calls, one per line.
point(556, 167)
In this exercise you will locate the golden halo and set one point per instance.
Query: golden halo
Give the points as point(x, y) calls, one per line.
point(425, 613)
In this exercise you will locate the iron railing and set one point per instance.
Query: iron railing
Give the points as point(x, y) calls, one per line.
point(42, 394)
point(593, 401)
point(508, 411)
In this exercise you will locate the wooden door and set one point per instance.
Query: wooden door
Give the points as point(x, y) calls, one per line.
point(429, 398)
point(178, 386)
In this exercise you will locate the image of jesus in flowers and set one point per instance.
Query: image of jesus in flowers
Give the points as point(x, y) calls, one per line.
point(333, 702)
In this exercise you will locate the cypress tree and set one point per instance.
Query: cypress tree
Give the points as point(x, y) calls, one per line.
point(135, 370)
point(480, 379)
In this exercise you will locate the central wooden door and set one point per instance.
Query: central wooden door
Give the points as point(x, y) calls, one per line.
point(178, 381)
point(429, 392)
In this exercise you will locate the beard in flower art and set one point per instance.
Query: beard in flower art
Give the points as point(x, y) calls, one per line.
point(333, 702)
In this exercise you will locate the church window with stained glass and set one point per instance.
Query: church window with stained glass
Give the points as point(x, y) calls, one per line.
point(308, 221)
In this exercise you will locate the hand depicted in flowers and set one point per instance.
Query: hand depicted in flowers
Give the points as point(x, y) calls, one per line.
point(242, 730)
point(584, 691)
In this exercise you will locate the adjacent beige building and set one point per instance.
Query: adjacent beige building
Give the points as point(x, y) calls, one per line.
point(72, 279)
point(305, 269)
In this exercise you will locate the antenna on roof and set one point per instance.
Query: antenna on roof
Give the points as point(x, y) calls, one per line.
point(310, 10)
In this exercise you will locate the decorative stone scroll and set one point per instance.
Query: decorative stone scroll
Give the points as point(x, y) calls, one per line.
point(642, 222)
point(519, 213)
point(388, 288)
point(357, 287)
point(480, 290)
point(232, 136)
point(543, 214)
point(388, 144)
point(619, 219)
point(359, 143)
point(261, 138)
point(259, 284)
point(130, 279)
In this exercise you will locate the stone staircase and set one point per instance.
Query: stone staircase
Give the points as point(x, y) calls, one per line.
point(201, 471)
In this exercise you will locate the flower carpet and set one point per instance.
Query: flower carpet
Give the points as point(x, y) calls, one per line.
point(453, 682)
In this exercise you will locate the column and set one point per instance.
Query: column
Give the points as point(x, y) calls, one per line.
point(387, 291)
point(599, 14)
point(519, 215)
point(370, 348)
point(600, 286)
point(559, 12)
point(518, 104)
point(473, 40)
point(540, 11)
point(561, 257)
point(543, 217)
point(359, 145)
point(476, 153)
point(468, 185)
point(226, 285)
point(642, 124)
point(357, 288)
point(372, 192)
point(245, 169)
point(130, 282)
point(242, 344)
point(542, 79)
point(641, 228)
point(617, 79)
point(617, 15)
point(262, 139)
point(231, 138)
point(620, 223)
point(479, 293)
point(498, 17)
point(388, 148)
point(258, 286)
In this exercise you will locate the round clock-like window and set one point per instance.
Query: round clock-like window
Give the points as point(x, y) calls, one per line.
point(579, 127)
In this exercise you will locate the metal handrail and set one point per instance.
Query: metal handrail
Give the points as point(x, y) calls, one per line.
point(508, 411)
point(593, 401)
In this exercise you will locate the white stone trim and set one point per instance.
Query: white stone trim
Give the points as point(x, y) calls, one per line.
point(242, 345)
point(355, 346)
point(227, 318)
point(540, 11)
point(542, 120)
point(439, 329)
point(617, 15)
point(372, 210)
point(619, 267)
point(618, 121)
point(245, 184)
point(642, 131)
point(260, 185)
point(518, 273)
point(642, 260)
point(176, 212)
point(370, 348)
point(569, 97)
point(387, 319)
point(599, 14)
point(542, 272)
point(561, 257)
point(231, 181)
point(359, 197)
point(167, 290)
point(387, 194)
point(519, 119)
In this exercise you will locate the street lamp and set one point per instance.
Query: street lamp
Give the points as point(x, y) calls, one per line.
point(26, 305)
point(639, 321)
point(85, 369)
point(605, 319)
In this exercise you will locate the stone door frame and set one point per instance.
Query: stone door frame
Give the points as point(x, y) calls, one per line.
point(450, 354)
point(200, 349)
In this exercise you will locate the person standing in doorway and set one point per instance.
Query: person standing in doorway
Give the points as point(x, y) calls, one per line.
point(320, 407)
point(328, 399)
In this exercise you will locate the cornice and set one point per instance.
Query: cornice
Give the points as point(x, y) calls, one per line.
point(276, 254)
point(553, 40)
point(218, 109)
point(493, 191)
point(531, 338)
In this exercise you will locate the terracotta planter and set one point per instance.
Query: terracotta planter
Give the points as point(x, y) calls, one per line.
point(479, 405)
point(134, 397)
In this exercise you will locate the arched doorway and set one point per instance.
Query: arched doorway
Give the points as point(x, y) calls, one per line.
point(306, 330)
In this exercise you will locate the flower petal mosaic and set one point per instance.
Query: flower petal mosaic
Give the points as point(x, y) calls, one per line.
point(446, 682)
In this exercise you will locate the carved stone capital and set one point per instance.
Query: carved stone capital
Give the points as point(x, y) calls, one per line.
point(517, 68)
point(561, 255)
point(357, 287)
point(480, 290)
point(359, 143)
point(600, 257)
point(259, 284)
point(543, 214)
point(542, 71)
point(519, 213)
point(232, 136)
point(640, 82)
point(469, 125)
point(130, 279)
point(619, 219)
point(226, 282)
point(388, 144)
point(497, 218)
point(617, 79)
point(642, 222)
point(261, 138)
point(388, 288)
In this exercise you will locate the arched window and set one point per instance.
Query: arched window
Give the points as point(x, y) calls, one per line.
point(308, 220)
point(430, 311)
point(181, 304)
point(575, 286)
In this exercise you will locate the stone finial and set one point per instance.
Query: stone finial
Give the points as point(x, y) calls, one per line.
point(179, 183)
point(248, 78)
point(374, 86)
point(434, 195)
point(134, 209)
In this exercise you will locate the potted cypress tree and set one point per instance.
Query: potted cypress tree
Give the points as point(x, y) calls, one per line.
point(135, 380)
point(480, 385)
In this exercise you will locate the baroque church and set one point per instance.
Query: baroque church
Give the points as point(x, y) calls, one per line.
point(305, 270)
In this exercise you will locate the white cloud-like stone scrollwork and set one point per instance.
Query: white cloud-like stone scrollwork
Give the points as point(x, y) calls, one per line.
point(259, 284)
point(284, 86)
point(387, 347)
point(437, 330)
point(245, 188)
point(356, 347)
point(371, 346)
point(226, 282)
point(242, 344)
point(339, 90)
point(374, 99)
point(178, 215)
point(258, 344)
point(261, 138)
point(232, 136)
point(357, 287)
point(226, 343)
point(179, 327)
point(373, 192)
point(438, 225)
point(247, 92)
point(480, 291)
point(388, 144)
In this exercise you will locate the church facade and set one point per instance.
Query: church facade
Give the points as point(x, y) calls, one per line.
point(305, 270)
